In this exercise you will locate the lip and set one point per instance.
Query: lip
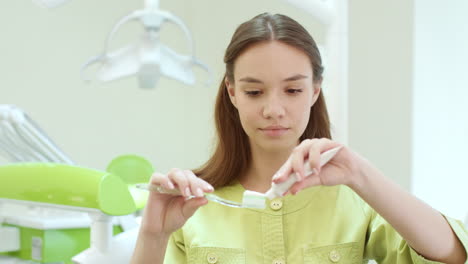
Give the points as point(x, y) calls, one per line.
point(273, 128)
point(274, 131)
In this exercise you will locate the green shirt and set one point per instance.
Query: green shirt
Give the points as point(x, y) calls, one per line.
point(318, 225)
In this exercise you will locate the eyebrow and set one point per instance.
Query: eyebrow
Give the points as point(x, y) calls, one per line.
point(289, 79)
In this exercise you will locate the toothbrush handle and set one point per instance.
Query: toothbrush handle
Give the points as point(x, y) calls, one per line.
point(156, 188)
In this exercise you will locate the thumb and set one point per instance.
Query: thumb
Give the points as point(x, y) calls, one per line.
point(191, 205)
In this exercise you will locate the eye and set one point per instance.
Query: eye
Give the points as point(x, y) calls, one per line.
point(253, 93)
point(293, 90)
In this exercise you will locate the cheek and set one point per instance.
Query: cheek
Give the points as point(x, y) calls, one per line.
point(247, 116)
point(302, 115)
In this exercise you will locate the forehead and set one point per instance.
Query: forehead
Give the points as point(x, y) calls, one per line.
point(272, 60)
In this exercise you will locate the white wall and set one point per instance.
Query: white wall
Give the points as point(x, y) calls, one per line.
point(380, 84)
point(440, 94)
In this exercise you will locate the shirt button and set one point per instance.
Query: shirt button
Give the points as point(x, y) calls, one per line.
point(334, 256)
point(278, 261)
point(212, 258)
point(276, 204)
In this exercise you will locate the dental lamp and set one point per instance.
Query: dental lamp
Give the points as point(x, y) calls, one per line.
point(147, 58)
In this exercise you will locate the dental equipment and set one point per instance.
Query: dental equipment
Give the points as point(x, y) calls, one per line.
point(22, 140)
point(59, 186)
point(43, 204)
point(148, 58)
point(29, 195)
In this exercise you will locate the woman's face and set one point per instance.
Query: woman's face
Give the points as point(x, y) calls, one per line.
point(273, 92)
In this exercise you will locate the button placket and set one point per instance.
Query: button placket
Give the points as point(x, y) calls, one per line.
point(272, 233)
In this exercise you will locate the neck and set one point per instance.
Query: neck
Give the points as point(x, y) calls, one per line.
point(265, 163)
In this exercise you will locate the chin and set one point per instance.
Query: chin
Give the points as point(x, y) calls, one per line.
point(278, 145)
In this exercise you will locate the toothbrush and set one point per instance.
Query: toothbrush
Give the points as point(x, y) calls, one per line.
point(209, 196)
point(257, 200)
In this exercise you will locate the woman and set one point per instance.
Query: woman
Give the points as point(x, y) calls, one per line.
point(271, 118)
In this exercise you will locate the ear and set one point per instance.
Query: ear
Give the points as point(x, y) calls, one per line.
point(231, 91)
point(317, 89)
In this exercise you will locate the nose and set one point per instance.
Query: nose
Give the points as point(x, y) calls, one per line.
point(273, 107)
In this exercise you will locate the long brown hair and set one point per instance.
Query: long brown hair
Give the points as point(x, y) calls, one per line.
point(232, 155)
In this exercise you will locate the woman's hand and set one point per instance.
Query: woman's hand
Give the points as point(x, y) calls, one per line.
point(166, 213)
point(341, 169)
point(421, 226)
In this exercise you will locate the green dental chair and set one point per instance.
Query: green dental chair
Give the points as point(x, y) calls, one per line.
point(103, 195)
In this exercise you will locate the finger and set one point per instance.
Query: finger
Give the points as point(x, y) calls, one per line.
point(161, 180)
point(299, 155)
point(190, 206)
point(202, 184)
point(297, 163)
point(195, 185)
point(322, 145)
point(205, 185)
point(307, 183)
point(314, 157)
point(308, 149)
point(181, 181)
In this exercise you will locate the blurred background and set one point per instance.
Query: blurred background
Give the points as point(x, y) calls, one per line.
point(405, 104)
